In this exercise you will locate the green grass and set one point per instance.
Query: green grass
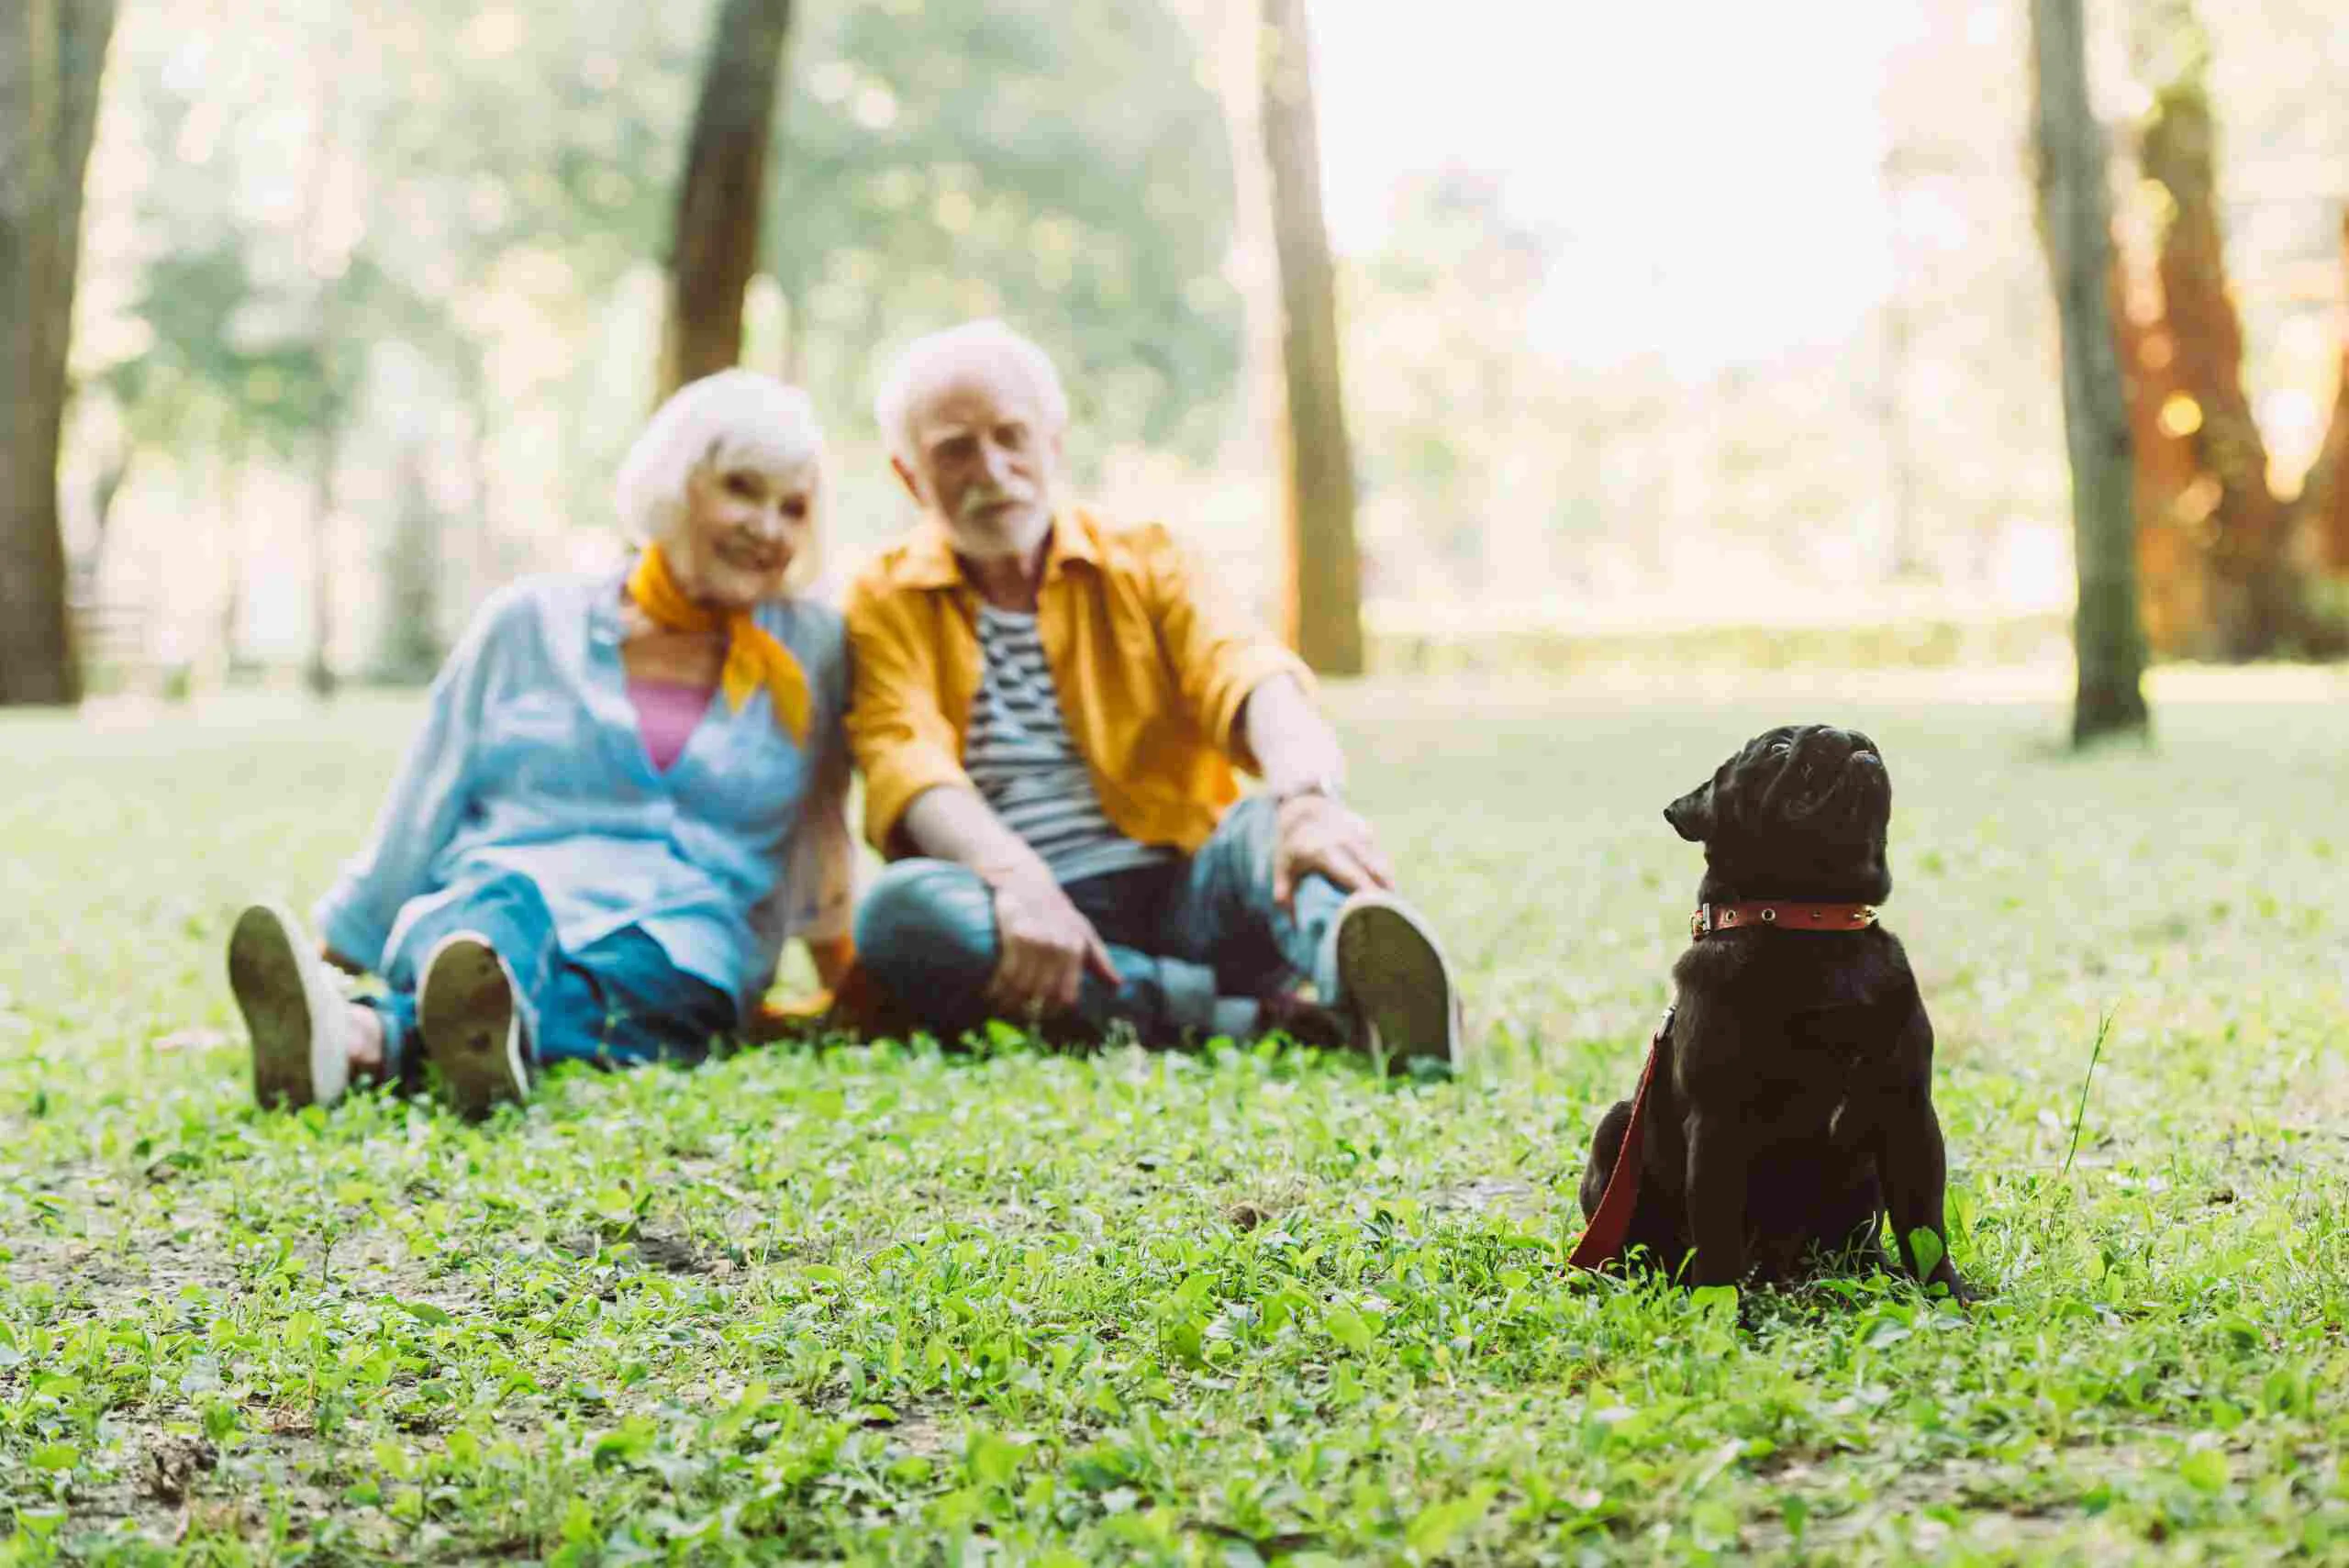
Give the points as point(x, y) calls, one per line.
point(896, 1305)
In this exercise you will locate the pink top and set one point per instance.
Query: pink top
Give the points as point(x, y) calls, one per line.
point(667, 713)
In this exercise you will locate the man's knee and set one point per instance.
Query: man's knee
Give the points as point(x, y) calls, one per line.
point(924, 923)
point(1246, 840)
point(1251, 816)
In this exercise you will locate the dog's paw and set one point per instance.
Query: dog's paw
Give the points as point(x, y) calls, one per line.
point(1958, 1288)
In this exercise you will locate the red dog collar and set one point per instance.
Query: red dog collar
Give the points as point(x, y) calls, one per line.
point(1782, 916)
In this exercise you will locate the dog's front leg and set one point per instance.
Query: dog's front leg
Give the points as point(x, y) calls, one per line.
point(1914, 1168)
point(1911, 1162)
point(1718, 1159)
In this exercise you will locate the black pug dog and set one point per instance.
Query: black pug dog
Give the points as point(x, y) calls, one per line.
point(1788, 1106)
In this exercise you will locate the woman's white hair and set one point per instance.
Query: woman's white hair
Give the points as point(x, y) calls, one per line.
point(928, 360)
point(736, 418)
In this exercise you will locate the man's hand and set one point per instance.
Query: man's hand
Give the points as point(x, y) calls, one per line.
point(1298, 756)
point(1317, 834)
point(1047, 945)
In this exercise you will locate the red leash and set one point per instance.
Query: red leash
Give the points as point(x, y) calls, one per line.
point(1602, 1243)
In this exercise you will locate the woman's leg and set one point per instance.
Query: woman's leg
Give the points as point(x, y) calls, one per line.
point(305, 1033)
point(469, 973)
point(621, 1000)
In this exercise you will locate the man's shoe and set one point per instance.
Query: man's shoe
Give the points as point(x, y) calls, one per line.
point(473, 1030)
point(1288, 1010)
point(1393, 977)
point(298, 1021)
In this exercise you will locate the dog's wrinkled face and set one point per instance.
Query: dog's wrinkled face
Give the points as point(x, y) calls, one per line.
point(1801, 811)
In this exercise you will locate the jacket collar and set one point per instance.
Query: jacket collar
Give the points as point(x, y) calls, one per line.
point(928, 559)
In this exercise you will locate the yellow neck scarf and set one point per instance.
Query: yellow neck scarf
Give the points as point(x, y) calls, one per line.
point(754, 658)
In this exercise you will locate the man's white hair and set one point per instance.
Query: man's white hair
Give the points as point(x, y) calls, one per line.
point(736, 418)
point(929, 360)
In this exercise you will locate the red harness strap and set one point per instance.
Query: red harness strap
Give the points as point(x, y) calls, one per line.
point(1602, 1243)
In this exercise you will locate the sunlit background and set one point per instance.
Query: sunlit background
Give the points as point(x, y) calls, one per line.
point(1686, 315)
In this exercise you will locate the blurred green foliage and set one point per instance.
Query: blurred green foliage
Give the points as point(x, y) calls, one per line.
point(386, 223)
point(1058, 164)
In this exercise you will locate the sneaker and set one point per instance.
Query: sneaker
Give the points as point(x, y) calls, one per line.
point(473, 1030)
point(298, 1020)
point(1393, 977)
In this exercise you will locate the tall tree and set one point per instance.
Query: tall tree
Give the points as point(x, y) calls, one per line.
point(1317, 460)
point(2202, 465)
point(2325, 494)
point(1228, 34)
point(715, 245)
point(2218, 543)
point(327, 314)
point(2076, 225)
point(52, 56)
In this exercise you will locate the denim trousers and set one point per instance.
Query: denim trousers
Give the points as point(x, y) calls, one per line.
point(1195, 941)
point(617, 1001)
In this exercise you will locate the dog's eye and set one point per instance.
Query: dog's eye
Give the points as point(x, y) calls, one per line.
point(1781, 748)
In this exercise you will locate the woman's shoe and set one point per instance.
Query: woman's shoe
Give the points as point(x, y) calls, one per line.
point(466, 1012)
point(298, 1021)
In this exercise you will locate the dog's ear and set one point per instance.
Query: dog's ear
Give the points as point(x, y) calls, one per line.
point(1692, 814)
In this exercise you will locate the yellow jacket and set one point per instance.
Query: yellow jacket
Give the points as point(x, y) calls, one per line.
point(1151, 677)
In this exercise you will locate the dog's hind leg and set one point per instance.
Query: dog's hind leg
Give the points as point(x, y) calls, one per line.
point(1606, 1148)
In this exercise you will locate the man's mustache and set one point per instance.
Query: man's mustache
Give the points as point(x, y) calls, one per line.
point(980, 497)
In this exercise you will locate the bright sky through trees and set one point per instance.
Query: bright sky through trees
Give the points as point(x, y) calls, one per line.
point(1710, 167)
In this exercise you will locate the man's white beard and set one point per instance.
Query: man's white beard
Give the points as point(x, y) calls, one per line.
point(1017, 536)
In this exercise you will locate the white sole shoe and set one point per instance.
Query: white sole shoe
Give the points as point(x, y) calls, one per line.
point(1393, 976)
point(472, 1029)
point(298, 1021)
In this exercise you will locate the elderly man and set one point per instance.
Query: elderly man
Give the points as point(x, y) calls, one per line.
point(1046, 711)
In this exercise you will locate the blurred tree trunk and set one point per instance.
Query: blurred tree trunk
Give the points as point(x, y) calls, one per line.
point(2172, 555)
point(479, 568)
point(409, 649)
point(334, 366)
point(2202, 465)
point(715, 247)
point(2323, 504)
point(2076, 225)
point(1230, 35)
point(52, 56)
point(317, 666)
point(791, 363)
point(1318, 466)
point(113, 473)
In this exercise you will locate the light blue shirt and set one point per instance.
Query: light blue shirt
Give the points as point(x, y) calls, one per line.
point(530, 760)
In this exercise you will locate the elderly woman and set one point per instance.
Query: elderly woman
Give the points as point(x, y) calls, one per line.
point(626, 795)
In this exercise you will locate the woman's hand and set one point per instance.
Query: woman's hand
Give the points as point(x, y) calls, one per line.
point(1316, 834)
point(1047, 946)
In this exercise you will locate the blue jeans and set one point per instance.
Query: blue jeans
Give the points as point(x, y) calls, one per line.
point(1195, 942)
point(616, 1001)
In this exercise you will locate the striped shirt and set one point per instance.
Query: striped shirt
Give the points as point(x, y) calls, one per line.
point(1020, 756)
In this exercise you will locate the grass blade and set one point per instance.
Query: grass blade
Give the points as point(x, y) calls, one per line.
point(2103, 1028)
